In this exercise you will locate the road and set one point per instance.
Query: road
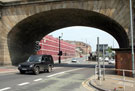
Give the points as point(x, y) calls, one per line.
point(64, 77)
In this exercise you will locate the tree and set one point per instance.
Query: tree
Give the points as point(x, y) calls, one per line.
point(109, 49)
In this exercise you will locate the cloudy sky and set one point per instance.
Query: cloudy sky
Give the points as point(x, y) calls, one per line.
point(87, 35)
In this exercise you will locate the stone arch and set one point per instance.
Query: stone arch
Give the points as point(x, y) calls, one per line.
point(22, 37)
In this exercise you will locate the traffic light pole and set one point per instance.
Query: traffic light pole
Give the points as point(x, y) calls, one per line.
point(99, 69)
point(59, 51)
point(103, 63)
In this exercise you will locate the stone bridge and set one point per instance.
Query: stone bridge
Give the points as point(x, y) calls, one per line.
point(22, 22)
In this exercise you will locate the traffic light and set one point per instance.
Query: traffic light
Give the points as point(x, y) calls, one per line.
point(37, 46)
point(60, 53)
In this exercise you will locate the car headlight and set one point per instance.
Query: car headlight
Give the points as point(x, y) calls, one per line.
point(19, 65)
point(31, 65)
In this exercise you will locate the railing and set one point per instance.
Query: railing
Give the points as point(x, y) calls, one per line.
point(103, 77)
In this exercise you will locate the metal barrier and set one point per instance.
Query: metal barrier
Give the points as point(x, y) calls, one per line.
point(103, 76)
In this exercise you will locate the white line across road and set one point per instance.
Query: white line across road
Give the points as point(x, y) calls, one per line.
point(25, 83)
point(7, 88)
point(38, 79)
point(63, 72)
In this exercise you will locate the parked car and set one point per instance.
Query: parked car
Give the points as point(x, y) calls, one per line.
point(74, 60)
point(112, 61)
point(37, 63)
point(106, 59)
point(100, 59)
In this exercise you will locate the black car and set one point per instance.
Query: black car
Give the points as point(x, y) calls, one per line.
point(37, 63)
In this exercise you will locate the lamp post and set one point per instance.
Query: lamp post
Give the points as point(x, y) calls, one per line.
point(42, 46)
point(86, 49)
point(132, 37)
point(103, 63)
point(99, 69)
point(60, 52)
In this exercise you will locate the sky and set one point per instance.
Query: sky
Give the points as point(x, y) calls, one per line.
point(87, 35)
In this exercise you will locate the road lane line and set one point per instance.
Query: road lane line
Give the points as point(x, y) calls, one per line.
point(7, 88)
point(25, 83)
point(38, 79)
point(57, 67)
point(55, 74)
point(73, 70)
point(63, 72)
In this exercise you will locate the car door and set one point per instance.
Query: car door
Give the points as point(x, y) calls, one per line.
point(42, 65)
point(46, 62)
point(51, 61)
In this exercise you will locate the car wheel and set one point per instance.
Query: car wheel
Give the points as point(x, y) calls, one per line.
point(49, 69)
point(36, 70)
point(22, 72)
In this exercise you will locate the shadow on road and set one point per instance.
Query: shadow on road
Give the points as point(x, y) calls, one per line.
point(81, 65)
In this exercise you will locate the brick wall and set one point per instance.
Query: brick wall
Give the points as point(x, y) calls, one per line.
point(124, 61)
point(50, 46)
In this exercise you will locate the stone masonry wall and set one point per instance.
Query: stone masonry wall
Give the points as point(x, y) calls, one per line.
point(13, 14)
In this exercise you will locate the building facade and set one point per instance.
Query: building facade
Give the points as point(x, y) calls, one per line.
point(50, 46)
point(81, 47)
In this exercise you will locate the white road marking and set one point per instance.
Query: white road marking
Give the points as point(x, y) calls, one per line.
point(73, 70)
point(7, 88)
point(63, 72)
point(55, 74)
point(38, 79)
point(25, 83)
point(57, 67)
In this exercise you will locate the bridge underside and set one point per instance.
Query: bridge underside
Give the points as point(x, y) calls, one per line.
point(21, 39)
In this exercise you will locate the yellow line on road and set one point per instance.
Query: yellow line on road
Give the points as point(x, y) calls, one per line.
point(86, 84)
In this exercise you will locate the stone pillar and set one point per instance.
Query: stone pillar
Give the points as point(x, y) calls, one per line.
point(7, 59)
point(1, 40)
point(1, 51)
point(4, 52)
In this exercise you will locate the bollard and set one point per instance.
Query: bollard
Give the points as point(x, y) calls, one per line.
point(124, 79)
point(114, 89)
point(95, 73)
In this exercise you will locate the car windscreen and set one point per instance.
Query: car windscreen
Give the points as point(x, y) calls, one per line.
point(34, 59)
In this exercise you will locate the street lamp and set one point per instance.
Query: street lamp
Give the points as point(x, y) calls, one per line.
point(86, 49)
point(103, 63)
point(60, 52)
point(132, 37)
point(99, 69)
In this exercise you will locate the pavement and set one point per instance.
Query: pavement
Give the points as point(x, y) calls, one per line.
point(8, 69)
point(111, 83)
